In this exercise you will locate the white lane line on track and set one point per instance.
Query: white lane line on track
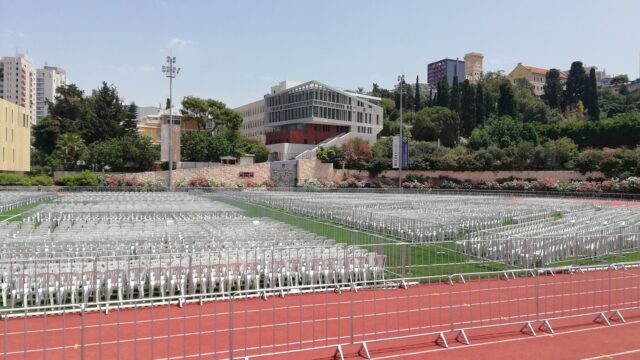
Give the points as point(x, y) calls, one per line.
point(373, 314)
point(558, 333)
point(610, 356)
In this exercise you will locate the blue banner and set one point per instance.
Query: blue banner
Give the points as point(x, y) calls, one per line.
point(405, 153)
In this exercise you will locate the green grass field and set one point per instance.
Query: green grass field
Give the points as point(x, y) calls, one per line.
point(403, 259)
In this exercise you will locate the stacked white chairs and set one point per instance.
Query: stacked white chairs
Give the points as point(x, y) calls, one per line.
point(95, 247)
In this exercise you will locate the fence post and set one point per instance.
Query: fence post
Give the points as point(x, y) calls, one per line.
point(351, 312)
point(611, 268)
point(82, 330)
point(231, 295)
point(451, 302)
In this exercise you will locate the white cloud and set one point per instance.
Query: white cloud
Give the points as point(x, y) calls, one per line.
point(11, 33)
point(145, 68)
point(178, 43)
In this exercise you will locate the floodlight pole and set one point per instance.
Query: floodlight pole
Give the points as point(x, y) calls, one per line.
point(170, 71)
point(401, 80)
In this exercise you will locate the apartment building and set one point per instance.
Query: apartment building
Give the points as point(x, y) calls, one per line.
point(18, 81)
point(445, 68)
point(48, 80)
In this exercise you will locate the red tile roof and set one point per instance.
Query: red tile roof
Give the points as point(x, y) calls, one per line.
point(541, 71)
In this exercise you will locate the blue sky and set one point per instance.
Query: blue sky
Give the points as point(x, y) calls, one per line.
point(234, 51)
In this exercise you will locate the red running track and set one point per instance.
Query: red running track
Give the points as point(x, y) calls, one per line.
point(317, 321)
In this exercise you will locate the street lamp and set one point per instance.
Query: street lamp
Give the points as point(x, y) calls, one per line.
point(170, 71)
point(401, 81)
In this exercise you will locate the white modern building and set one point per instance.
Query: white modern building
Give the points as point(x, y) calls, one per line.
point(294, 118)
point(18, 81)
point(49, 79)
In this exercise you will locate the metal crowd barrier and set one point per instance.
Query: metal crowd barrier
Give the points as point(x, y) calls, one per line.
point(270, 322)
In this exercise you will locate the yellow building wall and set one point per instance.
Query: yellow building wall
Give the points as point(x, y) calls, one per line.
point(15, 137)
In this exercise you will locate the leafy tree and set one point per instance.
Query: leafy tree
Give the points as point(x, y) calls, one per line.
point(437, 123)
point(442, 96)
point(552, 89)
point(68, 108)
point(223, 120)
point(418, 102)
point(589, 160)
point(532, 109)
point(455, 101)
point(331, 154)
point(619, 79)
point(256, 148)
point(105, 115)
point(504, 131)
point(197, 108)
point(506, 104)
point(46, 134)
point(468, 114)
point(126, 153)
point(562, 153)
point(576, 85)
point(356, 150)
point(523, 87)
point(194, 146)
point(593, 109)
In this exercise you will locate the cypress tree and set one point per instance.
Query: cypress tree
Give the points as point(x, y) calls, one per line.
point(454, 101)
point(442, 97)
point(418, 102)
point(481, 108)
point(468, 108)
point(576, 85)
point(506, 105)
point(593, 108)
point(552, 89)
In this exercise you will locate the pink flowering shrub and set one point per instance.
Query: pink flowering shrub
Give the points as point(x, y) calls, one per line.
point(199, 181)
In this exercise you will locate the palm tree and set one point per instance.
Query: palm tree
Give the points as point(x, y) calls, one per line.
point(71, 149)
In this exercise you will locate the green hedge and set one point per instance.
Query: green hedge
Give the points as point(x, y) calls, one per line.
point(7, 179)
point(84, 179)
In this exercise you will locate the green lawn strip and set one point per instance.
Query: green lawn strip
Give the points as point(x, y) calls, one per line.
point(409, 260)
point(627, 256)
point(11, 214)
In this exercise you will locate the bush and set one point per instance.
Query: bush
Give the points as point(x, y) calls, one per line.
point(83, 179)
point(14, 179)
point(43, 180)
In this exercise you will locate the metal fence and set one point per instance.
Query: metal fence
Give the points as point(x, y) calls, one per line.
point(254, 323)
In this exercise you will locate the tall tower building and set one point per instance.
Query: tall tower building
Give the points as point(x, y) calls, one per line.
point(18, 81)
point(473, 66)
point(49, 79)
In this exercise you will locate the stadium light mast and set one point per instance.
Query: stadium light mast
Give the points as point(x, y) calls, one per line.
point(170, 71)
point(401, 81)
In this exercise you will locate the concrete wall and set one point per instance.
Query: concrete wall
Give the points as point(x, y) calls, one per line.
point(314, 169)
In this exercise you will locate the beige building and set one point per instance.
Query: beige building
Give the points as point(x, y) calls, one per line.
point(535, 75)
point(473, 66)
point(15, 135)
point(18, 81)
point(253, 120)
